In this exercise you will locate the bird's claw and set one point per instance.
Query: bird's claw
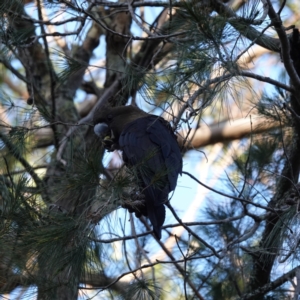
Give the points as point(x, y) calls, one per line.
point(138, 207)
point(109, 144)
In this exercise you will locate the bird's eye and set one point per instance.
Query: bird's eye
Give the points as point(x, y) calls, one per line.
point(109, 117)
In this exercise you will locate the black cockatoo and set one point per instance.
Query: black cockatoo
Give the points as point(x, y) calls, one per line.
point(149, 145)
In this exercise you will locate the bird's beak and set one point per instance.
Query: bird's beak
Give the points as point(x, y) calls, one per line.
point(106, 135)
point(101, 130)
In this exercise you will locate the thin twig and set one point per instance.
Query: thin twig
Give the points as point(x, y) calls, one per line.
point(16, 153)
point(229, 196)
point(178, 267)
point(192, 232)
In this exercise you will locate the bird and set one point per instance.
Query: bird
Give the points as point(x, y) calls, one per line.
point(150, 147)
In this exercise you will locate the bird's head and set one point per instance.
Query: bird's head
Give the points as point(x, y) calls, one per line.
point(115, 119)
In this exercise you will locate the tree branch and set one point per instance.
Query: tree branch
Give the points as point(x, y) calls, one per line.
point(17, 154)
point(270, 286)
point(245, 29)
point(285, 48)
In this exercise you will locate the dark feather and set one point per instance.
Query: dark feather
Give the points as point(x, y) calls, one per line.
point(150, 148)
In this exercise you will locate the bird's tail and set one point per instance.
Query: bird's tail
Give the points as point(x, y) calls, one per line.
point(157, 215)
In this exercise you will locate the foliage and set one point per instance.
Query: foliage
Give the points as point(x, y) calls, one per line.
point(217, 71)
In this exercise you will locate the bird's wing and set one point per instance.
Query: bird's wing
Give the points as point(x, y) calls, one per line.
point(150, 146)
point(161, 134)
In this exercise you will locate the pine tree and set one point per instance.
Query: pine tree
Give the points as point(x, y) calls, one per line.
point(225, 74)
